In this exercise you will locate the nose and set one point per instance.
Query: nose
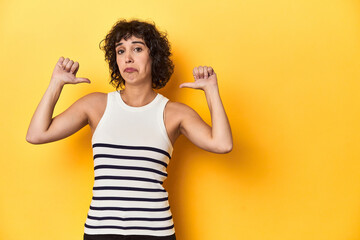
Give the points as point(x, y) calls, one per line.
point(128, 57)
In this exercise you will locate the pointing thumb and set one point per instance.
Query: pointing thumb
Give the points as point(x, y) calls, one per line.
point(186, 85)
point(83, 80)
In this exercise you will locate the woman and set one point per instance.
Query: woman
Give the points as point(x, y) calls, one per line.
point(134, 130)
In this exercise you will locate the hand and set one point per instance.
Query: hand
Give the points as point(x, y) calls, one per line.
point(65, 72)
point(204, 77)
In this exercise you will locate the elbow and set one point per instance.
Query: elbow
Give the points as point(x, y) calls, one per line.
point(227, 148)
point(32, 139)
point(224, 149)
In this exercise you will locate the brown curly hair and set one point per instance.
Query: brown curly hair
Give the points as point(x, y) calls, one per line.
point(162, 66)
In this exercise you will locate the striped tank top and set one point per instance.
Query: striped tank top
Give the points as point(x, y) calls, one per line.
point(131, 151)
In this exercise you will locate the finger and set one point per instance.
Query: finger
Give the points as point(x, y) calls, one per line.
point(69, 65)
point(196, 73)
point(60, 61)
point(187, 85)
point(77, 69)
point(206, 74)
point(74, 68)
point(201, 72)
point(210, 71)
point(82, 80)
point(65, 62)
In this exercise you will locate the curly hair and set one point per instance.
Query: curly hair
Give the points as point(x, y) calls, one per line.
point(162, 66)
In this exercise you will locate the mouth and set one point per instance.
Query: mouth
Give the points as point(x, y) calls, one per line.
point(130, 70)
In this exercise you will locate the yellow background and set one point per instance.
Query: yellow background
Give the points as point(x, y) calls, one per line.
point(288, 74)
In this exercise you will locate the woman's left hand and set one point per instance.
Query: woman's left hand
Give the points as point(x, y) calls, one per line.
point(204, 77)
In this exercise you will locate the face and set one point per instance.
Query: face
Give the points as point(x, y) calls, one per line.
point(133, 59)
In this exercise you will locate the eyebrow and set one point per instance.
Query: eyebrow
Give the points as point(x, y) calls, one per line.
point(118, 44)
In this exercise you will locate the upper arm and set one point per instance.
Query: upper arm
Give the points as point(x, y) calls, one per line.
point(196, 129)
point(70, 121)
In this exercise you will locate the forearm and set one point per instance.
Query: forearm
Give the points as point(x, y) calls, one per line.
point(42, 117)
point(221, 131)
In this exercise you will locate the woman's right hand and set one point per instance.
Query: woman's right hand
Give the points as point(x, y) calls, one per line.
point(44, 127)
point(65, 72)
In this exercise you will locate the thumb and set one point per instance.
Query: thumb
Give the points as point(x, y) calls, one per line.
point(82, 80)
point(187, 85)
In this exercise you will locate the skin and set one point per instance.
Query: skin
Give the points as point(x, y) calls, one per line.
point(178, 117)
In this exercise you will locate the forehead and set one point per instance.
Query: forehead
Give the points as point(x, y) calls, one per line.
point(131, 40)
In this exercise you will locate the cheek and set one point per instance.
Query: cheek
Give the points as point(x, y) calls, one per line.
point(147, 64)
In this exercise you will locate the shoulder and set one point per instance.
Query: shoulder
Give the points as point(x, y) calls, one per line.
point(93, 97)
point(179, 109)
point(90, 101)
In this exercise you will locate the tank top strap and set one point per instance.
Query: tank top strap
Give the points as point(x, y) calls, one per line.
point(161, 120)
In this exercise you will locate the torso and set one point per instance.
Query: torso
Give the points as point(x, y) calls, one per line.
point(97, 105)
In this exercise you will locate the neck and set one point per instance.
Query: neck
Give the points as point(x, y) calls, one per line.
point(137, 96)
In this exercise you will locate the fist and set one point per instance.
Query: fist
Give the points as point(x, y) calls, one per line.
point(65, 72)
point(204, 77)
point(202, 72)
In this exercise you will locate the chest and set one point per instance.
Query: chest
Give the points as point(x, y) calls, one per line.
point(170, 118)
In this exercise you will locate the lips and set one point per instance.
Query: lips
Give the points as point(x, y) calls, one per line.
point(129, 70)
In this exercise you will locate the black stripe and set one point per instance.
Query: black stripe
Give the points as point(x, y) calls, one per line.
point(129, 219)
point(129, 178)
point(140, 228)
point(131, 209)
point(132, 199)
point(132, 168)
point(130, 189)
point(132, 148)
point(130, 157)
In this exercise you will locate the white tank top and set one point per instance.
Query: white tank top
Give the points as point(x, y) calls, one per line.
point(131, 151)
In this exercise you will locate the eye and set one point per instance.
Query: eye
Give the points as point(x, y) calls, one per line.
point(120, 51)
point(139, 49)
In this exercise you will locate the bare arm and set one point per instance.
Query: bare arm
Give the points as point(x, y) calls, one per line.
point(218, 138)
point(43, 128)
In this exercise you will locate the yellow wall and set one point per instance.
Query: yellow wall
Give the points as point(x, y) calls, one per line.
point(289, 78)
